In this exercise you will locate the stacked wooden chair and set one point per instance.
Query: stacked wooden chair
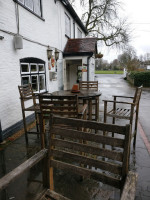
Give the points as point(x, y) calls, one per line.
point(88, 85)
point(124, 109)
point(66, 106)
point(29, 104)
point(111, 167)
point(92, 102)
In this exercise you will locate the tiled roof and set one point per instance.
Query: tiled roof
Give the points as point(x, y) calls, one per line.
point(82, 46)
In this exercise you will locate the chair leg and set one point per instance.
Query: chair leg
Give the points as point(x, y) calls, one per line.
point(25, 126)
point(113, 122)
point(135, 129)
point(37, 124)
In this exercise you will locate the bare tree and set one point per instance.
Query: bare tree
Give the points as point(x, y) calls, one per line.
point(129, 59)
point(102, 20)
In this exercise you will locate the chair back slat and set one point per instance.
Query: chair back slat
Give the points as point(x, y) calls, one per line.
point(87, 173)
point(26, 93)
point(91, 125)
point(58, 105)
point(76, 149)
point(88, 85)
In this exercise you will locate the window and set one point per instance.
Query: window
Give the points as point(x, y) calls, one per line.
point(33, 72)
point(33, 5)
point(79, 33)
point(67, 26)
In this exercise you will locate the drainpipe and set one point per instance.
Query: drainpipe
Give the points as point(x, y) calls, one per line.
point(74, 28)
point(1, 138)
point(88, 58)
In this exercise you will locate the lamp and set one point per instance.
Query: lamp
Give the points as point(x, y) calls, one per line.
point(56, 57)
point(49, 53)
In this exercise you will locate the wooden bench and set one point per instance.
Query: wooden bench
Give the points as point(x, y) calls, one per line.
point(71, 156)
point(127, 112)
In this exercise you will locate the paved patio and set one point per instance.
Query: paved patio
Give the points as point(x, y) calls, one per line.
point(15, 152)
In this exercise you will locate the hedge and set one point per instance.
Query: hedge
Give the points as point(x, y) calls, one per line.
point(141, 78)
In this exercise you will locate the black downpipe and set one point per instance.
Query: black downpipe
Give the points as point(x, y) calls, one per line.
point(1, 136)
point(74, 28)
point(88, 58)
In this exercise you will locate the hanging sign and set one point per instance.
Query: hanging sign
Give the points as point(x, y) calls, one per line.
point(84, 68)
point(52, 61)
point(49, 65)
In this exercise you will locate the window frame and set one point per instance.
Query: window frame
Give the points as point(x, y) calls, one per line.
point(66, 33)
point(36, 73)
point(32, 11)
point(79, 31)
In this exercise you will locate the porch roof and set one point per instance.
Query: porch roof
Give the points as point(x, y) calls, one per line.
point(80, 47)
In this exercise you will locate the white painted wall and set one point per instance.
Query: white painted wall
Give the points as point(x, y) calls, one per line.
point(49, 32)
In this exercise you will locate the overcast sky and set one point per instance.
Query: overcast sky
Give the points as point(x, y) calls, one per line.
point(138, 14)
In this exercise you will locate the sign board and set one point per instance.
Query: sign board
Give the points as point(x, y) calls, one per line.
point(148, 67)
point(84, 68)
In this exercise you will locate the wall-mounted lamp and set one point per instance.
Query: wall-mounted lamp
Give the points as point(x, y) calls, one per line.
point(56, 57)
point(56, 54)
point(1, 37)
point(49, 53)
point(18, 42)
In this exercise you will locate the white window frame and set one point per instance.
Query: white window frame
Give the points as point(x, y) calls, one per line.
point(35, 73)
point(24, 4)
point(79, 33)
point(37, 82)
point(66, 25)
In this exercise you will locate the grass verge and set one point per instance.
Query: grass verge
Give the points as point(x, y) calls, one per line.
point(109, 72)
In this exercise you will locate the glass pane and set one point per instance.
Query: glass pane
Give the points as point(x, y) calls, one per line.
point(29, 4)
point(33, 68)
point(37, 7)
point(67, 25)
point(34, 82)
point(25, 80)
point(79, 34)
point(24, 68)
point(42, 82)
point(21, 1)
point(41, 68)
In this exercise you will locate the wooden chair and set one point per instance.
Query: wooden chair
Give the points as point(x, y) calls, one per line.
point(126, 110)
point(28, 104)
point(88, 85)
point(66, 106)
point(92, 102)
point(72, 157)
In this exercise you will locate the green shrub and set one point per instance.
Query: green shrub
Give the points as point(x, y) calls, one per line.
point(141, 78)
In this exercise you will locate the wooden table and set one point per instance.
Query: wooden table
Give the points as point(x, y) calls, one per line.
point(92, 97)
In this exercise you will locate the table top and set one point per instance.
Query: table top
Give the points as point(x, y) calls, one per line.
point(80, 94)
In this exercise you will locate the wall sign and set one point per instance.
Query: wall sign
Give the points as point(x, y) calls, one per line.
point(52, 61)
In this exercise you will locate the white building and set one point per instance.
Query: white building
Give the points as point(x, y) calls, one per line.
point(28, 28)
